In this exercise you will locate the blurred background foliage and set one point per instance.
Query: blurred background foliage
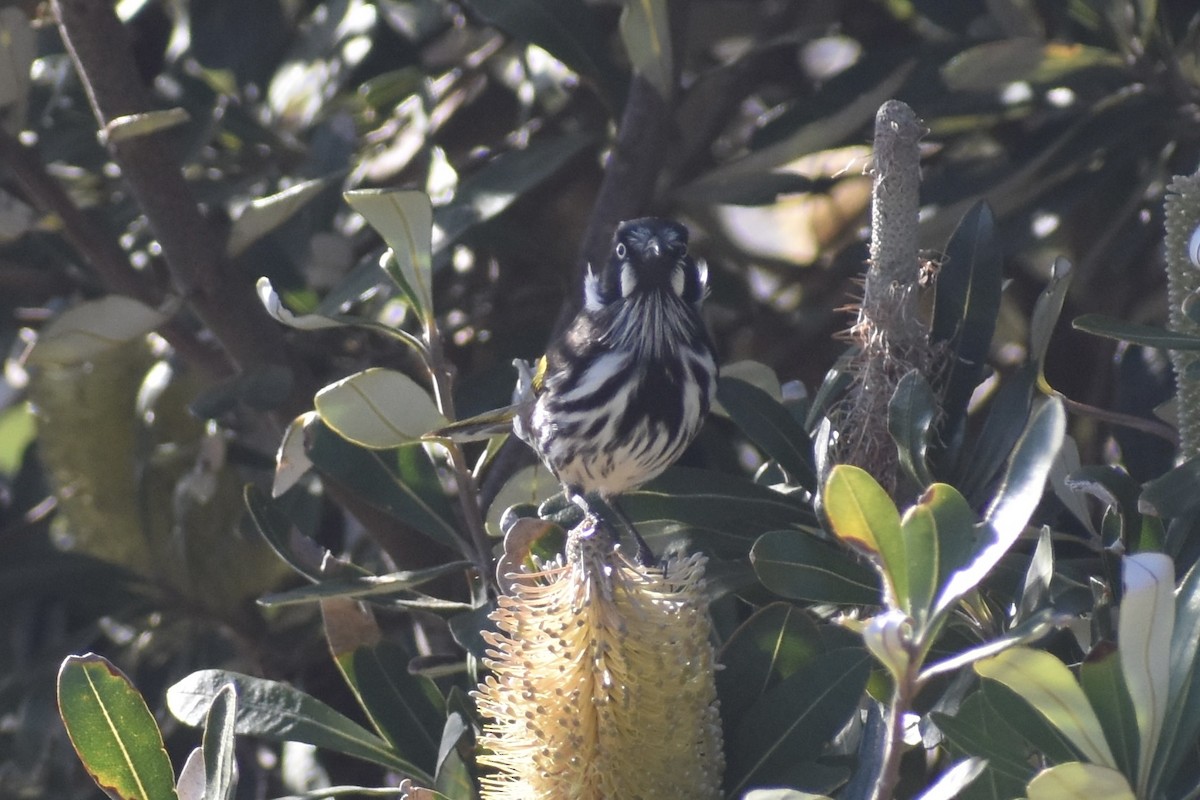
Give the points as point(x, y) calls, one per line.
point(122, 528)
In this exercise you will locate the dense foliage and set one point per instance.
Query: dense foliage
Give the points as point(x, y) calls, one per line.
point(226, 341)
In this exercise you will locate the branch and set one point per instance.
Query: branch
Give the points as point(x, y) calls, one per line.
point(101, 251)
point(223, 299)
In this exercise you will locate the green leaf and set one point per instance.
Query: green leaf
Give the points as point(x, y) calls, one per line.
point(378, 408)
point(1015, 500)
point(799, 566)
point(112, 730)
point(956, 522)
point(1006, 418)
point(993, 64)
point(1116, 489)
point(1079, 781)
point(1182, 722)
point(1047, 685)
point(1047, 310)
point(770, 426)
point(721, 513)
point(131, 126)
point(1030, 630)
point(379, 478)
point(773, 644)
point(265, 214)
point(910, 416)
point(976, 731)
point(220, 766)
point(646, 32)
point(1101, 679)
point(407, 710)
point(364, 586)
point(862, 515)
point(792, 722)
point(566, 29)
point(405, 221)
point(1173, 494)
point(1044, 740)
point(91, 328)
point(280, 712)
point(965, 307)
point(1145, 335)
point(484, 194)
point(1145, 628)
point(919, 531)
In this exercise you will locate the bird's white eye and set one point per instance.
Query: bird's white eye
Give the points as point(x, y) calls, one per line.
point(620, 250)
point(678, 280)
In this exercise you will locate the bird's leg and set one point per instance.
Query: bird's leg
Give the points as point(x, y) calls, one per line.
point(645, 556)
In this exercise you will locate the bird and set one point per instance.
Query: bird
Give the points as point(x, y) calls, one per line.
point(625, 388)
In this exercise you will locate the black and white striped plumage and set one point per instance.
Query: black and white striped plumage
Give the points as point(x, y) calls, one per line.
point(623, 392)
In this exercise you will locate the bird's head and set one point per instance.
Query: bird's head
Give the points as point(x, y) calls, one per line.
point(648, 255)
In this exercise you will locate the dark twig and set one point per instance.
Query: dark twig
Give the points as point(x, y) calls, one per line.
point(101, 251)
point(222, 299)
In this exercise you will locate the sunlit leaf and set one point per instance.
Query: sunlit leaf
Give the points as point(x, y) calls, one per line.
point(1047, 685)
point(1079, 781)
point(1145, 628)
point(994, 64)
point(1182, 722)
point(363, 586)
point(645, 30)
point(378, 408)
point(1145, 335)
point(265, 214)
point(405, 221)
point(951, 782)
point(112, 730)
point(291, 460)
point(280, 712)
point(131, 126)
point(863, 515)
point(220, 766)
point(92, 327)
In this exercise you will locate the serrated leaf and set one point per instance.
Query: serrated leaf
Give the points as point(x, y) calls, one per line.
point(1145, 335)
point(792, 722)
point(220, 766)
point(282, 713)
point(378, 408)
point(864, 516)
point(645, 30)
point(910, 415)
point(1079, 781)
point(405, 221)
point(770, 426)
point(92, 327)
point(1145, 628)
point(265, 214)
point(112, 730)
point(965, 308)
point(798, 566)
point(1047, 685)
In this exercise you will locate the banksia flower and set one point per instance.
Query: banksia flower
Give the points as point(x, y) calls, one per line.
point(602, 684)
point(1183, 290)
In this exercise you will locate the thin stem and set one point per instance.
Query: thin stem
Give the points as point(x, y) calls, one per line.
point(1148, 426)
point(889, 770)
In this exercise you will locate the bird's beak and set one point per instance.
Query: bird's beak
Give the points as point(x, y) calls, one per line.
point(654, 248)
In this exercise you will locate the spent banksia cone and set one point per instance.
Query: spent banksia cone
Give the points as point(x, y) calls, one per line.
point(602, 683)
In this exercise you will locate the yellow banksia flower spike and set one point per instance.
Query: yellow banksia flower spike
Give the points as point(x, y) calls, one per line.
point(602, 684)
